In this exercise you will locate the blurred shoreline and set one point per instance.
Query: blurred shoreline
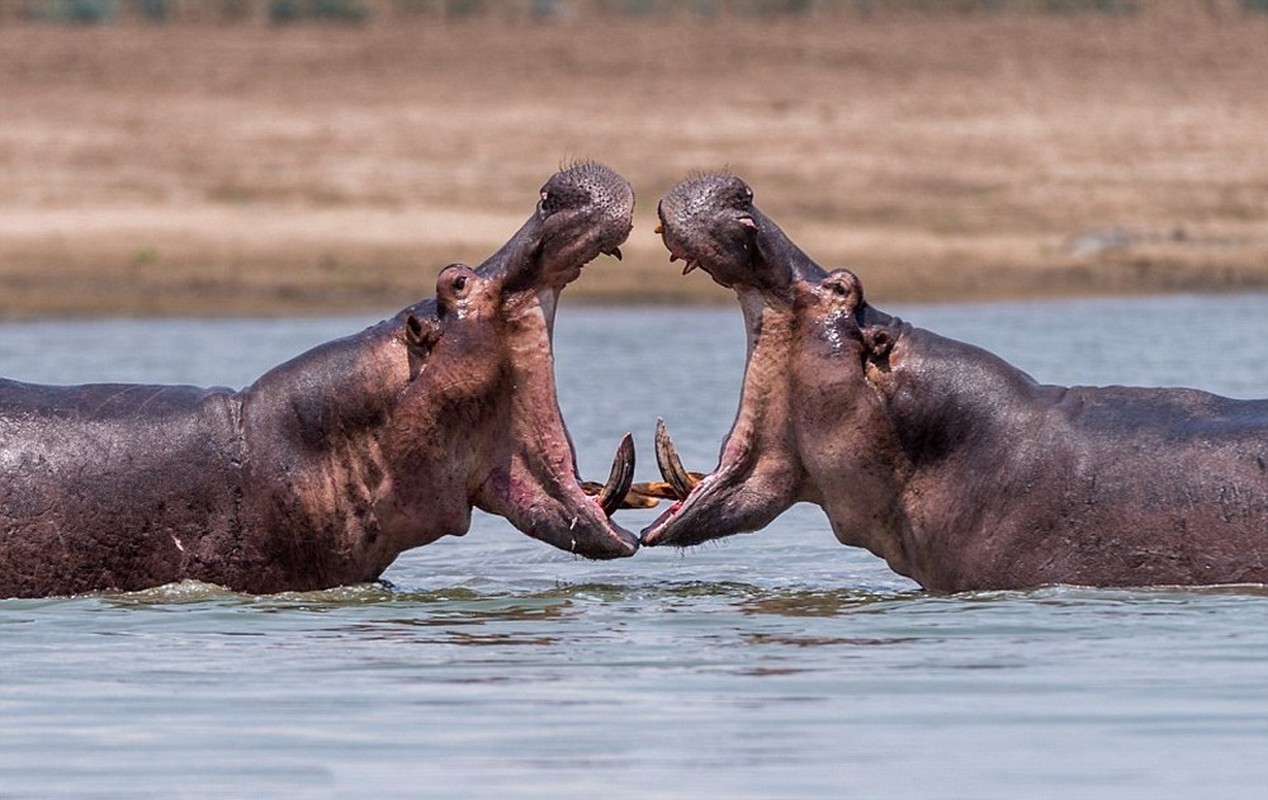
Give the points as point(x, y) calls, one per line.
point(214, 169)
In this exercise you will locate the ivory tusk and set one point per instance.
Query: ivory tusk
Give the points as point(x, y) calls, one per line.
point(671, 465)
point(617, 487)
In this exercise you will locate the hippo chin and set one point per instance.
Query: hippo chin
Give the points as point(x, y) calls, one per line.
point(958, 469)
point(326, 468)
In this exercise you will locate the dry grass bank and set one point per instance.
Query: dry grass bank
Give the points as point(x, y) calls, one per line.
point(213, 170)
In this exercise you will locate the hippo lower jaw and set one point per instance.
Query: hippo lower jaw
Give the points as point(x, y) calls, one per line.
point(615, 493)
point(706, 506)
point(569, 515)
point(536, 483)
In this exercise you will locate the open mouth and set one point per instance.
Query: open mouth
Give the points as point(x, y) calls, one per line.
point(614, 493)
point(709, 223)
point(684, 487)
point(584, 211)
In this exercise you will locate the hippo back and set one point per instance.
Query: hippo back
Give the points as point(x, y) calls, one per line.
point(112, 485)
point(97, 401)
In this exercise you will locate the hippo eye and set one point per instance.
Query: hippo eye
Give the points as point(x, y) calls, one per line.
point(839, 289)
point(547, 201)
point(454, 283)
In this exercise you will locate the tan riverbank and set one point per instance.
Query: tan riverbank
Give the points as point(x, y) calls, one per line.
point(244, 169)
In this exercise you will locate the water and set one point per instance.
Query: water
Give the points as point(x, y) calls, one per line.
point(771, 665)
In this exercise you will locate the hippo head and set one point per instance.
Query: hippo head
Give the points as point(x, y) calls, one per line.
point(710, 222)
point(805, 403)
point(481, 398)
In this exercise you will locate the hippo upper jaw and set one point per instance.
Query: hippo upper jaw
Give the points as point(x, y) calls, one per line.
point(583, 212)
point(589, 212)
point(529, 471)
point(710, 222)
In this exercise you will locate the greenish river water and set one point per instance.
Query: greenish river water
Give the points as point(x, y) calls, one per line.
point(773, 665)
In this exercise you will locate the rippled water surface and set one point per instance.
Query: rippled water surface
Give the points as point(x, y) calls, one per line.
point(778, 664)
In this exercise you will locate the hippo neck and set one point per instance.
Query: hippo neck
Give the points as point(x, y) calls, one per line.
point(335, 389)
point(315, 466)
point(944, 400)
point(940, 384)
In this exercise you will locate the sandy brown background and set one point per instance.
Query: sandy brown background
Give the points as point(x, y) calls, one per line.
point(198, 167)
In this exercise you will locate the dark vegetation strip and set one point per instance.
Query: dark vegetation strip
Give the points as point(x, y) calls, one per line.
point(357, 12)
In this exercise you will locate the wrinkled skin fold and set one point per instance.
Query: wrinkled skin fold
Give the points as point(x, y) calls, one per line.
point(330, 465)
point(958, 469)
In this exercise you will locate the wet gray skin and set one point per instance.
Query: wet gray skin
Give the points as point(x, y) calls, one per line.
point(958, 469)
point(330, 465)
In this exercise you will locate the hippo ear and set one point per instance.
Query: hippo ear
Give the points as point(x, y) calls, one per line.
point(879, 341)
point(845, 288)
point(420, 336)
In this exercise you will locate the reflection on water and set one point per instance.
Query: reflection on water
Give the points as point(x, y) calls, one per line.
point(821, 641)
point(773, 664)
point(820, 603)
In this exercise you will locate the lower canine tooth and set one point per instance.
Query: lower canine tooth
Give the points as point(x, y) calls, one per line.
point(671, 465)
point(618, 486)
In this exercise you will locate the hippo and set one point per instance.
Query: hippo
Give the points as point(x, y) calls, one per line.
point(958, 469)
point(326, 468)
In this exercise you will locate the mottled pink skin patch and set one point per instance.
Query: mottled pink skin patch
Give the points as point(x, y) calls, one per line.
point(512, 491)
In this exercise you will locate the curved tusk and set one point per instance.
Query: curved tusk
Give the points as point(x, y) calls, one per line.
point(620, 478)
point(671, 465)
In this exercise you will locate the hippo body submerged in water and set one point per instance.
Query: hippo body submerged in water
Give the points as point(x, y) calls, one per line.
point(958, 469)
point(326, 468)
